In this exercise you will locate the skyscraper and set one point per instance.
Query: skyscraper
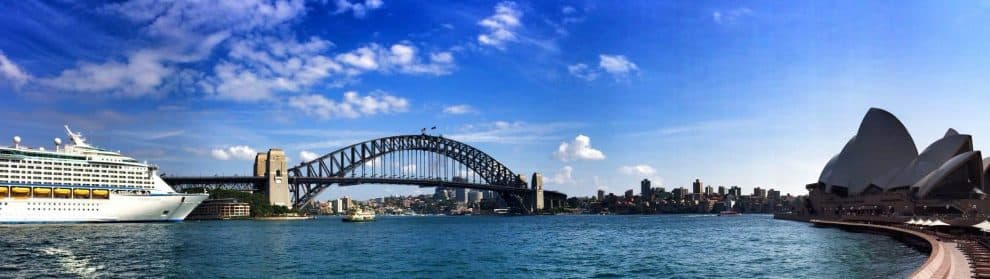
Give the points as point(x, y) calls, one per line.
point(601, 194)
point(721, 190)
point(709, 190)
point(697, 186)
point(644, 189)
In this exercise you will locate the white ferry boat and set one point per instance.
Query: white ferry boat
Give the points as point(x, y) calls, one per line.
point(81, 183)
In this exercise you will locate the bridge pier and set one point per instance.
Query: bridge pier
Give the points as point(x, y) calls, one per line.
point(273, 167)
point(537, 196)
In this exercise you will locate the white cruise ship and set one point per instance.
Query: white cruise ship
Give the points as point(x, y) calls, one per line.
point(81, 183)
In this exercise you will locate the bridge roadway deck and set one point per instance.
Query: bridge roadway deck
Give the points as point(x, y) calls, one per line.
point(343, 181)
point(944, 261)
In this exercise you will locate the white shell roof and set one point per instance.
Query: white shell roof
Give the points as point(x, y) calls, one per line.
point(880, 148)
point(930, 159)
point(931, 180)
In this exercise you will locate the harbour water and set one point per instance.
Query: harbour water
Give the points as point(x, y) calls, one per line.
point(655, 246)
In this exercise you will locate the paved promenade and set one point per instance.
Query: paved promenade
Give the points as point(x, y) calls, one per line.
point(944, 261)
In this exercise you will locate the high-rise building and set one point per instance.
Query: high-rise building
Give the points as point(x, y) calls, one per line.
point(773, 195)
point(759, 192)
point(721, 190)
point(474, 196)
point(644, 189)
point(346, 203)
point(629, 194)
point(735, 191)
point(709, 190)
point(460, 195)
point(697, 186)
point(601, 194)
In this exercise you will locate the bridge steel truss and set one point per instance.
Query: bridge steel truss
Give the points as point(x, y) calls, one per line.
point(423, 160)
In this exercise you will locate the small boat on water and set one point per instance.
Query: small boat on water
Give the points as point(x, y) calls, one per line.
point(359, 215)
point(729, 211)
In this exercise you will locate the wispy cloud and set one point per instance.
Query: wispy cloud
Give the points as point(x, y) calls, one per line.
point(730, 16)
point(501, 26)
point(458, 109)
point(12, 72)
point(512, 132)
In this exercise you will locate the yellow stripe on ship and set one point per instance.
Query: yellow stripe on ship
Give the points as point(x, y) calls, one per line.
point(42, 191)
point(62, 192)
point(20, 190)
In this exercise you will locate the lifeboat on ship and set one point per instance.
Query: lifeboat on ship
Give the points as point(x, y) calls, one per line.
point(101, 194)
point(20, 192)
point(62, 192)
point(42, 191)
point(81, 193)
point(3, 191)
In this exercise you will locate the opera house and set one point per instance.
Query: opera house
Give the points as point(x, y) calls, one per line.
point(880, 175)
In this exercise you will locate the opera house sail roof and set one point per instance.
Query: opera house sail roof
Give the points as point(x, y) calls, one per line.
point(882, 156)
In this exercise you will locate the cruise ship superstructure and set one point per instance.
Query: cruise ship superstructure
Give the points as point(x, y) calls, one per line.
point(78, 182)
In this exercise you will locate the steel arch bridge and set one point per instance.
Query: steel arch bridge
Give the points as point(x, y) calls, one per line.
point(423, 160)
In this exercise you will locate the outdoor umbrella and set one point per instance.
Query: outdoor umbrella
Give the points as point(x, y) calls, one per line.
point(983, 226)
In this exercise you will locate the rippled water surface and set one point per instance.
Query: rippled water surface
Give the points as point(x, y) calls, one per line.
point(682, 246)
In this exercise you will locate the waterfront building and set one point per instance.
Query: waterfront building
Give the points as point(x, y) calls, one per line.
point(645, 189)
point(346, 203)
point(337, 205)
point(735, 191)
point(220, 209)
point(697, 186)
point(721, 190)
point(601, 194)
point(759, 192)
point(475, 196)
point(709, 190)
point(880, 172)
point(629, 194)
point(460, 195)
point(773, 195)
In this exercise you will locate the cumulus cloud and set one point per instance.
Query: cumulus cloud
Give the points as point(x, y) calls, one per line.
point(618, 66)
point(563, 176)
point(258, 68)
point(730, 16)
point(458, 109)
point(401, 57)
point(501, 26)
point(352, 106)
point(638, 170)
point(237, 152)
point(307, 156)
point(12, 72)
point(578, 149)
point(360, 9)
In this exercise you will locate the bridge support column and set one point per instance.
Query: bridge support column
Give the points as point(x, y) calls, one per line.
point(537, 185)
point(273, 167)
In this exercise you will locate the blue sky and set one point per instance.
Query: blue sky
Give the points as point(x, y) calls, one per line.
point(595, 95)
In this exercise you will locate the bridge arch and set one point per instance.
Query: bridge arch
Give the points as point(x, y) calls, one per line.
point(312, 177)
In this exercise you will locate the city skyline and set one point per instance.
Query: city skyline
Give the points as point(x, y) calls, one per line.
point(733, 93)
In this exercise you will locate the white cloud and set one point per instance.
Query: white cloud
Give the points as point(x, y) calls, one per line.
point(401, 57)
point(12, 72)
point(257, 68)
point(616, 64)
point(237, 152)
point(180, 33)
point(730, 16)
point(501, 26)
point(638, 170)
point(578, 149)
point(458, 109)
point(510, 132)
point(563, 176)
point(568, 10)
point(307, 156)
point(357, 7)
point(582, 71)
point(352, 106)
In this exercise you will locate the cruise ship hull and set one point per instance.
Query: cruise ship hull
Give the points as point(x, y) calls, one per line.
point(118, 208)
